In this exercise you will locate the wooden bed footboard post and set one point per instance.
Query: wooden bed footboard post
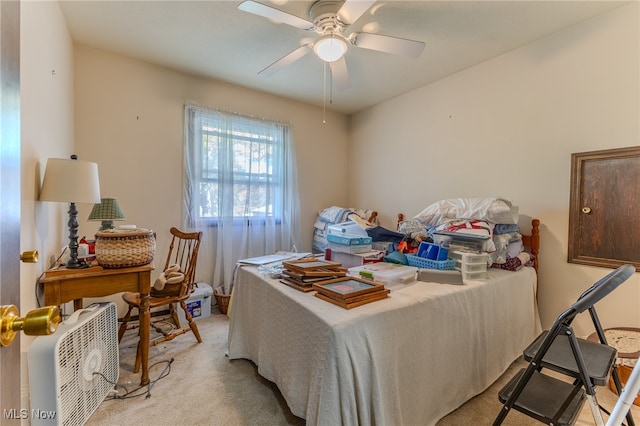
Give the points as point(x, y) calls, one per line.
point(535, 241)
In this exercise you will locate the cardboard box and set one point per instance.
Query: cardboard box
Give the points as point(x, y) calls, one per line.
point(198, 304)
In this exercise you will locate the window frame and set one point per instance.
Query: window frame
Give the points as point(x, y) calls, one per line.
point(272, 178)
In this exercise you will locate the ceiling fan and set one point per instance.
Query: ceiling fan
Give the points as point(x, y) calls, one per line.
point(330, 18)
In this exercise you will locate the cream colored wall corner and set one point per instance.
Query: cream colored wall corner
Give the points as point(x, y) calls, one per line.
point(508, 127)
point(46, 99)
point(129, 118)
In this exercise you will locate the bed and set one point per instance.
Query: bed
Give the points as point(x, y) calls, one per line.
point(409, 359)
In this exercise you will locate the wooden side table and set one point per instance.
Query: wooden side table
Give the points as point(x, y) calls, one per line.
point(626, 340)
point(63, 285)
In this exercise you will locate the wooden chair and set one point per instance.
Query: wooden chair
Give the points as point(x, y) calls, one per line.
point(183, 251)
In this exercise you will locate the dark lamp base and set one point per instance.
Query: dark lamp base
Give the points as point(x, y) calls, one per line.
point(76, 265)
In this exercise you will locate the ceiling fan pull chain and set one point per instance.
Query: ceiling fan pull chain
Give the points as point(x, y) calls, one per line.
point(324, 93)
point(330, 86)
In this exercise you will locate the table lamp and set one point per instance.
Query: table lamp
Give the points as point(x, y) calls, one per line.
point(71, 181)
point(107, 210)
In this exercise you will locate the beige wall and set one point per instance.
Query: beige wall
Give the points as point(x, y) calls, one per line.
point(507, 128)
point(129, 119)
point(502, 128)
point(46, 98)
point(46, 92)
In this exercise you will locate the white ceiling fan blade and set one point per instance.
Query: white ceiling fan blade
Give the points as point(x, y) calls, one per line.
point(340, 74)
point(275, 14)
point(285, 61)
point(395, 45)
point(351, 10)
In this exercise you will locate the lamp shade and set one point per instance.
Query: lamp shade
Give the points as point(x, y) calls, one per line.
point(71, 181)
point(330, 47)
point(107, 209)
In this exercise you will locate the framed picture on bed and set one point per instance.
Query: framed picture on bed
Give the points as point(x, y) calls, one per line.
point(349, 292)
point(345, 288)
point(309, 265)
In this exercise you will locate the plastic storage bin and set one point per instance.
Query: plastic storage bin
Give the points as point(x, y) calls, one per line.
point(344, 248)
point(461, 241)
point(469, 258)
point(198, 304)
point(389, 274)
point(473, 267)
point(349, 260)
point(474, 276)
point(350, 227)
point(441, 277)
point(349, 239)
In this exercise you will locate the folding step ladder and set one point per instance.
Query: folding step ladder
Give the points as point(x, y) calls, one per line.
point(558, 402)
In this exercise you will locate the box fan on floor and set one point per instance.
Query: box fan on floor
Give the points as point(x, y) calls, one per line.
point(74, 369)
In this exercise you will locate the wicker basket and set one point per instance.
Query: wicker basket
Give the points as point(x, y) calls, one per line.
point(222, 300)
point(119, 248)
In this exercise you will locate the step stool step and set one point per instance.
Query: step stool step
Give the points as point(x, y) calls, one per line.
point(543, 396)
point(598, 358)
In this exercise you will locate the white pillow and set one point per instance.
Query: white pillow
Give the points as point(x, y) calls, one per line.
point(494, 210)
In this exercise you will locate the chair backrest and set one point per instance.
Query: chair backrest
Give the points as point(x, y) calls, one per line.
point(183, 251)
point(595, 293)
point(603, 287)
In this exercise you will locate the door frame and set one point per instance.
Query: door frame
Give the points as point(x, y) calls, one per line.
point(10, 368)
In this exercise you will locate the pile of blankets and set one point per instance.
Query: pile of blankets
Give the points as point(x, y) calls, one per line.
point(495, 218)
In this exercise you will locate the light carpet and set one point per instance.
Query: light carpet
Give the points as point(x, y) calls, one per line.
point(203, 387)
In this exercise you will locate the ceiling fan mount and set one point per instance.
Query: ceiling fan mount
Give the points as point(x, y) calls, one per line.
point(324, 16)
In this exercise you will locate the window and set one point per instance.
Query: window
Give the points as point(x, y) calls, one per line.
point(237, 166)
point(241, 187)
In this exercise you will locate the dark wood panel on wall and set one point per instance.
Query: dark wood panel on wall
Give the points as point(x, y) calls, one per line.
point(604, 213)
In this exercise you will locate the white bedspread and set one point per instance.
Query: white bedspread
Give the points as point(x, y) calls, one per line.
point(406, 360)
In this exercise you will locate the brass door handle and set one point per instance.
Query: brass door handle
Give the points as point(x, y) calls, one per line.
point(30, 256)
point(39, 322)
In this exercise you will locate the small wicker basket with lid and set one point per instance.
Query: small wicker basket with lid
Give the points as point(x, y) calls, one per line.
point(125, 248)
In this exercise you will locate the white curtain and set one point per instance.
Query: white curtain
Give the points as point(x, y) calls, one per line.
point(240, 189)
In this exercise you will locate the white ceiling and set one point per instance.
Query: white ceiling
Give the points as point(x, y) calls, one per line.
point(214, 39)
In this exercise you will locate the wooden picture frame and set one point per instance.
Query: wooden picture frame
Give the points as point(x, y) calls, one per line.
point(347, 288)
point(357, 301)
point(308, 265)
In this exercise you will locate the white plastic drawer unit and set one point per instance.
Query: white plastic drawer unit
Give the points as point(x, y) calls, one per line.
point(473, 266)
point(469, 258)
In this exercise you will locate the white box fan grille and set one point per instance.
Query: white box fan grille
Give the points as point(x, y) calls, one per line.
point(73, 370)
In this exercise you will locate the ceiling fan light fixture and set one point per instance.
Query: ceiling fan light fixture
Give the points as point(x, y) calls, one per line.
point(330, 47)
